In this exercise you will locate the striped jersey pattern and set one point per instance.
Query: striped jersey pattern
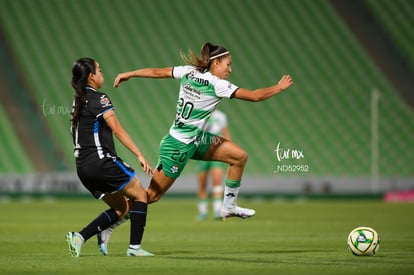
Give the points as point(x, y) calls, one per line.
point(199, 95)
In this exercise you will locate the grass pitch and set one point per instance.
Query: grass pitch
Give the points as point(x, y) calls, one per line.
point(285, 237)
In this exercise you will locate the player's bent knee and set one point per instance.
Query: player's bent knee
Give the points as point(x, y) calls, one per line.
point(152, 197)
point(122, 214)
point(243, 158)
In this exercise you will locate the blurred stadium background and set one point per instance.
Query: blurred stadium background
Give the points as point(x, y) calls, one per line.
point(348, 117)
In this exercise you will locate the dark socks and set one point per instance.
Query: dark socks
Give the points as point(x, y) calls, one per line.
point(102, 222)
point(138, 218)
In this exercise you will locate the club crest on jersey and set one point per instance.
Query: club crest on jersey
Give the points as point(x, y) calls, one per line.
point(174, 168)
point(105, 102)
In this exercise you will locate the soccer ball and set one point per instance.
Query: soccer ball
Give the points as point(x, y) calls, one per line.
point(363, 241)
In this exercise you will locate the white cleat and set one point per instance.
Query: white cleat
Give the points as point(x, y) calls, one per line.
point(103, 239)
point(237, 212)
point(138, 252)
point(75, 242)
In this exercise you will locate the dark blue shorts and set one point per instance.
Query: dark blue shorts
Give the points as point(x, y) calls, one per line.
point(107, 175)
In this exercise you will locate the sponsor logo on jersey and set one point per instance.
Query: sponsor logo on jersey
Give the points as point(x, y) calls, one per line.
point(199, 80)
point(191, 92)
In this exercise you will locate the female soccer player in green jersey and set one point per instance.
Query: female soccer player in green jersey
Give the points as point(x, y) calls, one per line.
point(203, 84)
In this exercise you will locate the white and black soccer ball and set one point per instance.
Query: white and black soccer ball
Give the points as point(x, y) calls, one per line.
point(363, 241)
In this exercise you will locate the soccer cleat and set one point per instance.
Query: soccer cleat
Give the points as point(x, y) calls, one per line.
point(138, 252)
point(237, 212)
point(103, 239)
point(75, 242)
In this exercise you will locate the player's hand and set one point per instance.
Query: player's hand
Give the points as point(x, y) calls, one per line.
point(285, 82)
point(145, 165)
point(120, 78)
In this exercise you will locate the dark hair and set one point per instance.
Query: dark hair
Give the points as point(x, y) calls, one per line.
point(80, 72)
point(209, 52)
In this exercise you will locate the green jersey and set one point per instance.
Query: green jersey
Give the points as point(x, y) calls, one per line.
point(200, 93)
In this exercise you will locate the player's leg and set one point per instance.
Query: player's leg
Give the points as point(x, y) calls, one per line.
point(173, 157)
point(217, 175)
point(104, 236)
point(118, 202)
point(159, 184)
point(227, 151)
point(118, 207)
point(202, 194)
point(137, 215)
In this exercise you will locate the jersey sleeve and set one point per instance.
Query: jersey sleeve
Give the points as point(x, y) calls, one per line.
point(224, 88)
point(101, 104)
point(179, 71)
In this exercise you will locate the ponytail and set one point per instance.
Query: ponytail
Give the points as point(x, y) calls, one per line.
point(208, 53)
point(80, 72)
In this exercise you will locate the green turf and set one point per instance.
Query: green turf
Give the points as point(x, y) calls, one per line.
point(286, 237)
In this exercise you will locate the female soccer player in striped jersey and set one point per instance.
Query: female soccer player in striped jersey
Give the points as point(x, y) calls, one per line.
point(203, 84)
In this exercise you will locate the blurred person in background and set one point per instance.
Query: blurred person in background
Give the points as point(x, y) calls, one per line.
point(100, 170)
point(216, 125)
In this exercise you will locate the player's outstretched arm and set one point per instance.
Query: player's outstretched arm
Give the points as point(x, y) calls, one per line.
point(122, 135)
point(264, 93)
point(145, 72)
